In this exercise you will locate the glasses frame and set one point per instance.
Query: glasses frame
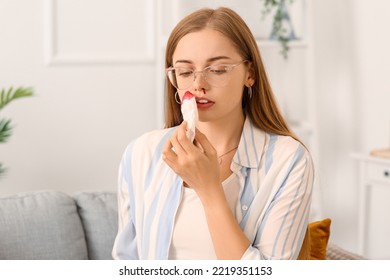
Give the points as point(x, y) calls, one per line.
point(228, 68)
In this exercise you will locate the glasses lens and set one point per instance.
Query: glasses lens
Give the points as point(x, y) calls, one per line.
point(218, 75)
point(181, 78)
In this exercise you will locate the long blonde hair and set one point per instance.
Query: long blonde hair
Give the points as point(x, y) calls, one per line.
point(261, 108)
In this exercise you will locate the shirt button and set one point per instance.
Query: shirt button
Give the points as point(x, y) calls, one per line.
point(244, 207)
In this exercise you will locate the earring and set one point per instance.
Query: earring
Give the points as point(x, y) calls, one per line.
point(250, 92)
point(177, 99)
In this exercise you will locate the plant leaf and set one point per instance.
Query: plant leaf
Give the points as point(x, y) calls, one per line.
point(5, 130)
point(7, 96)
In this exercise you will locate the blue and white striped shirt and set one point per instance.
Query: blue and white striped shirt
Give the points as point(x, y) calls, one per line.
point(275, 174)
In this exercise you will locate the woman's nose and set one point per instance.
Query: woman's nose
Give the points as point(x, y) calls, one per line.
point(199, 81)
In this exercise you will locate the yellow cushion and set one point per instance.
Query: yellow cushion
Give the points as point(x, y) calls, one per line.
point(316, 241)
point(319, 236)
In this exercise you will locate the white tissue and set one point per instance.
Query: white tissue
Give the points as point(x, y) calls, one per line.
point(190, 115)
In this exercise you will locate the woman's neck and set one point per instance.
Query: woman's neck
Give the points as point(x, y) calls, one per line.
point(222, 134)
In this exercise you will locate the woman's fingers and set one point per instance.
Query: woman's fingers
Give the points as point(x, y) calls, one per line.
point(204, 144)
point(182, 138)
point(180, 152)
point(196, 164)
point(176, 145)
point(177, 140)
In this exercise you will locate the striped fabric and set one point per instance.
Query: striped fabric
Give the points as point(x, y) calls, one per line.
point(275, 174)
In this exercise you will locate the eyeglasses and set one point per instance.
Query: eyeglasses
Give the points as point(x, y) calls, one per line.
point(216, 75)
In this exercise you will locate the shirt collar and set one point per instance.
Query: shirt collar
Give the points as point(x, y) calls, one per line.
point(250, 147)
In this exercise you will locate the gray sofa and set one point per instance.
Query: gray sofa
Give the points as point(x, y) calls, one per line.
point(53, 225)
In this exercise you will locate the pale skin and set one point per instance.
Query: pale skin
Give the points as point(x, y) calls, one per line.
point(197, 163)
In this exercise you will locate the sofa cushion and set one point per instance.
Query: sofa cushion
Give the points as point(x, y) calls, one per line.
point(40, 226)
point(99, 215)
point(319, 236)
point(335, 252)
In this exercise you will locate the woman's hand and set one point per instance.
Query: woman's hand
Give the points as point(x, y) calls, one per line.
point(196, 164)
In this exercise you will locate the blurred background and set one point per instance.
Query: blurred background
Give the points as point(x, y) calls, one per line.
point(97, 70)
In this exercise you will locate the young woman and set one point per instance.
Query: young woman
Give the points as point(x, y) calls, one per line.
point(242, 189)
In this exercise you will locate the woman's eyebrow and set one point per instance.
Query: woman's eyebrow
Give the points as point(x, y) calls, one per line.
point(183, 61)
point(211, 59)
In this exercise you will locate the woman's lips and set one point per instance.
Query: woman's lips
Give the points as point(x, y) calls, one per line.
point(203, 103)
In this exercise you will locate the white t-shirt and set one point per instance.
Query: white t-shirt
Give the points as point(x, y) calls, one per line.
point(191, 237)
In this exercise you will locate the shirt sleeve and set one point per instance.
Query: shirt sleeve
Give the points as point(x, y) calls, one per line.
point(125, 245)
point(281, 231)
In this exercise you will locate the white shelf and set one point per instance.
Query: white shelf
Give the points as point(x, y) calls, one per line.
point(374, 193)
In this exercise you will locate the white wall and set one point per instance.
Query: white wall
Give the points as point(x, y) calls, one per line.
point(373, 64)
point(71, 135)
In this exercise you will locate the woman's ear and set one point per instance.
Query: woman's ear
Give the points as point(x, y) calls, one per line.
point(250, 78)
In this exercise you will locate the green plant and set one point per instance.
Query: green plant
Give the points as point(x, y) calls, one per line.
point(6, 97)
point(282, 29)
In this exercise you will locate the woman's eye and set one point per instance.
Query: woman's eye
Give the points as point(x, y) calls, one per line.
point(185, 73)
point(218, 70)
